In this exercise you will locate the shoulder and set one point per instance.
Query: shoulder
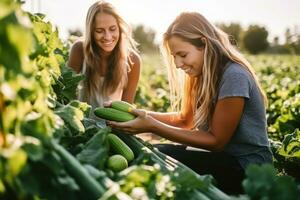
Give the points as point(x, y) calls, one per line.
point(76, 56)
point(236, 71)
point(77, 46)
point(134, 57)
point(134, 60)
point(236, 81)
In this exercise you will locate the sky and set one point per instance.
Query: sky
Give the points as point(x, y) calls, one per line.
point(275, 15)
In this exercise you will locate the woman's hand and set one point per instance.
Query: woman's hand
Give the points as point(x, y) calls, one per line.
point(107, 104)
point(142, 123)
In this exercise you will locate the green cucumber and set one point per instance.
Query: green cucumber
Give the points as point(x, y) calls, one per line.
point(113, 114)
point(120, 147)
point(117, 163)
point(122, 106)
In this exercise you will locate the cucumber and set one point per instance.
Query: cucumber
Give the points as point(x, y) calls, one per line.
point(120, 147)
point(113, 114)
point(81, 175)
point(122, 106)
point(117, 163)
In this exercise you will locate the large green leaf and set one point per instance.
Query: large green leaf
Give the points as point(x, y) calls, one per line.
point(95, 151)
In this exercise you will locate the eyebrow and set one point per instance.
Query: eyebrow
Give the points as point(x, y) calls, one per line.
point(178, 52)
point(113, 26)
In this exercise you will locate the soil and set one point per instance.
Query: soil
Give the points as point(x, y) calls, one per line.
point(150, 137)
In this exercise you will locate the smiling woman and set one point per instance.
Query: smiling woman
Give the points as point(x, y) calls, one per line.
point(106, 32)
point(107, 57)
point(188, 55)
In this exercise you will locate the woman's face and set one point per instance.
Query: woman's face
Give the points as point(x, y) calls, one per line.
point(187, 57)
point(106, 32)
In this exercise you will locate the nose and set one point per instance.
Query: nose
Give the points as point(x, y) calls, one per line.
point(107, 35)
point(178, 62)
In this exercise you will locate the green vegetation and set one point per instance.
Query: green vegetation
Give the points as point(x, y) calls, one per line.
point(50, 149)
point(153, 88)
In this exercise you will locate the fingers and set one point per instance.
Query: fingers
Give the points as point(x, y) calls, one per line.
point(118, 125)
point(139, 112)
point(114, 124)
point(121, 126)
point(107, 104)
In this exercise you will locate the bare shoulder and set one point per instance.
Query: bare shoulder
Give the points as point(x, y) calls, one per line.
point(135, 58)
point(76, 56)
point(77, 47)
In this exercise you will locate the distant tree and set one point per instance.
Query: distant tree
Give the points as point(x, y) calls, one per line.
point(292, 40)
point(234, 30)
point(276, 48)
point(145, 37)
point(255, 39)
point(276, 41)
point(288, 36)
point(75, 32)
point(298, 48)
point(298, 45)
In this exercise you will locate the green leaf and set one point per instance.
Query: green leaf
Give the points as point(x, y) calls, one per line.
point(259, 181)
point(16, 162)
point(284, 188)
point(187, 180)
point(291, 145)
point(7, 7)
point(95, 151)
point(72, 117)
point(34, 152)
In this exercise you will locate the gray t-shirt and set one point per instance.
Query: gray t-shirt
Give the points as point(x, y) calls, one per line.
point(250, 141)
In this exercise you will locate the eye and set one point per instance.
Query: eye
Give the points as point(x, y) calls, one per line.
point(113, 28)
point(182, 55)
point(99, 30)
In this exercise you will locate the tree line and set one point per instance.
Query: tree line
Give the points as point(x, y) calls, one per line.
point(253, 39)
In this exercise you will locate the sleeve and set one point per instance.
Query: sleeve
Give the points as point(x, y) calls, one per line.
point(235, 84)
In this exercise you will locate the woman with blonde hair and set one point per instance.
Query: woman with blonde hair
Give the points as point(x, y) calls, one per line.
point(221, 105)
point(106, 56)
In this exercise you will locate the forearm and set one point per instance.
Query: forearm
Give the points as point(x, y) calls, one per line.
point(171, 118)
point(195, 138)
point(128, 98)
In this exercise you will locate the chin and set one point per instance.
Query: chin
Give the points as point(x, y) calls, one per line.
point(108, 49)
point(194, 75)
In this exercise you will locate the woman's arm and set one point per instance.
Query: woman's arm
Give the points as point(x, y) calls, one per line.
point(173, 119)
point(76, 57)
point(133, 78)
point(225, 119)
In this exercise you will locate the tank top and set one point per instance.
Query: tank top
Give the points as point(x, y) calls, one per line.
point(98, 99)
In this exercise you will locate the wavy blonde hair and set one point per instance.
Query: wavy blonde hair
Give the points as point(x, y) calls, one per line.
point(118, 62)
point(197, 94)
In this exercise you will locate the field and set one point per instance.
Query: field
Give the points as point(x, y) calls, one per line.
point(51, 149)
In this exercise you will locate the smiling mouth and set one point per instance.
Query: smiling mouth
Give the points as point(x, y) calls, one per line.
point(107, 43)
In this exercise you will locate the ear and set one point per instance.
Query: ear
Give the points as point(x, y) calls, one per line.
point(203, 39)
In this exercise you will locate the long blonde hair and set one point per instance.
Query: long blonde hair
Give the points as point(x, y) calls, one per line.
point(118, 62)
point(198, 93)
